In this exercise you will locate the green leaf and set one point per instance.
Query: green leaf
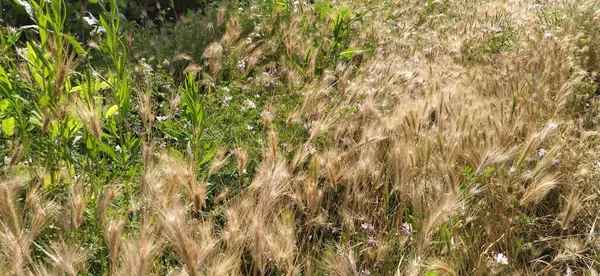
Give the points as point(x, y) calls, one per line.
point(110, 151)
point(8, 126)
point(208, 156)
point(431, 273)
point(350, 52)
point(111, 111)
point(4, 79)
point(78, 48)
point(93, 1)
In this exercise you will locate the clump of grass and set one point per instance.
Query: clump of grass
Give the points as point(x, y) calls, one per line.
point(352, 138)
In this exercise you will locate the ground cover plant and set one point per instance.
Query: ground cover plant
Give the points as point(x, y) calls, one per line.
point(301, 138)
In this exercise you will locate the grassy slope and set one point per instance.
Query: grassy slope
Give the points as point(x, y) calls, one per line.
point(463, 141)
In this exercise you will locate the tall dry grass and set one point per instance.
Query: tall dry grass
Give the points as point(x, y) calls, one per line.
point(432, 155)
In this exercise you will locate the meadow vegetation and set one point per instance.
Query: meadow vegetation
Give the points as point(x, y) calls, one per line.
point(274, 137)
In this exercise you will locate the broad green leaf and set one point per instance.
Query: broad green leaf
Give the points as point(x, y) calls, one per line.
point(431, 273)
point(47, 180)
point(208, 156)
point(111, 111)
point(78, 48)
point(35, 121)
point(45, 100)
point(8, 126)
point(4, 79)
point(74, 89)
point(4, 104)
point(110, 151)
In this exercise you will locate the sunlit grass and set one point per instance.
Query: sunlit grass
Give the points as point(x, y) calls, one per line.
point(288, 138)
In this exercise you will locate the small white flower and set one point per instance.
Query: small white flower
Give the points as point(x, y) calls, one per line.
point(249, 127)
point(548, 35)
point(542, 152)
point(501, 259)
point(250, 103)
point(240, 9)
point(265, 114)
point(162, 118)
point(118, 149)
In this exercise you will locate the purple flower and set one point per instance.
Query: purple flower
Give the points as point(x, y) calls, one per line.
point(555, 163)
point(367, 226)
point(371, 242)
point(377, 266)
point(334, 230)
point(405, 230)
point(269, 258)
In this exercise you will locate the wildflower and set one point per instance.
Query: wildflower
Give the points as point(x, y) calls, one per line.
point(501, 259)
point(265, 113)
point(249, 127)
point(241, 65)
point(496, 30)
point(542, 152)
point(118, 149)
point(371, 242)
point(365, 272)
point(249, 103)
point(210, 26)
point(162, 118)
point(334, 230)
point(311, 149)
point(406, 229)
point(377, 266)
point(226, 100)
point(269, 257)
point(548, 35)
point(536, 6)
point(315, 115)
point(555, 163)
point(7, 160)
point(367, 226)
